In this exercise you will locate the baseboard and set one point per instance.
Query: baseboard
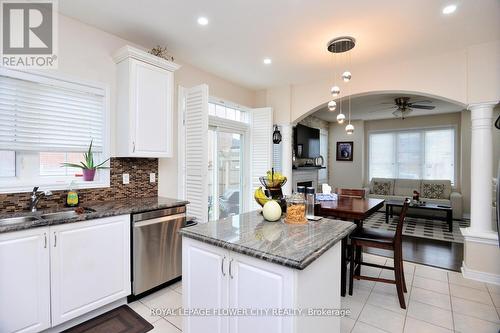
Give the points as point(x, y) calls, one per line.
point(480, 276)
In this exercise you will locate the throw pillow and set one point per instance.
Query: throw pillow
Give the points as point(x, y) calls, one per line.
point(433, 191)
point(382, 188)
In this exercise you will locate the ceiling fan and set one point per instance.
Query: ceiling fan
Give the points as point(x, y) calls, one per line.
point(404, 107)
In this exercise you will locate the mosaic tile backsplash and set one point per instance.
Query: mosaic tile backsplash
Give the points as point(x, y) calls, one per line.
point(139, 187)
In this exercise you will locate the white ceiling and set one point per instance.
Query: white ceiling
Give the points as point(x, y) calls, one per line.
point(293, 33)
point(381, 106)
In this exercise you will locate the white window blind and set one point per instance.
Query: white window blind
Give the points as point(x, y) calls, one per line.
point(46, 114)
point(413, 154)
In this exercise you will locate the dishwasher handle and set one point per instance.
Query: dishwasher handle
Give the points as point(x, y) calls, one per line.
point(157, 220)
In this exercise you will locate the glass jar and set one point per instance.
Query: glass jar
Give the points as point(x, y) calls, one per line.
point(295, 209)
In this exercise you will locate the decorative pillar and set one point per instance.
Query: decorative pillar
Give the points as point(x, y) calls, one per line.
point(481, 250)
point(481, 167)
point(286, 137)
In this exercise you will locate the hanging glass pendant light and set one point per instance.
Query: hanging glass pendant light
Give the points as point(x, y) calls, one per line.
point(340, 118)
point(346, 76)
point(332, 105)
point(335, 91)
point(349, 129)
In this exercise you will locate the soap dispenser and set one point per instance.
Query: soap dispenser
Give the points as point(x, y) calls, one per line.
point(72, 196)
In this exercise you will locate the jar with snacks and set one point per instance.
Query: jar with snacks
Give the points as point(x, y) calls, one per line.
point(296, 209)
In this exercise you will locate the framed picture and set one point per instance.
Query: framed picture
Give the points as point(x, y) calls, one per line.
point(345, 151)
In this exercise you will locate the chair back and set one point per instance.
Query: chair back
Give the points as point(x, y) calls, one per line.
point(402, 216)
point(351, 192)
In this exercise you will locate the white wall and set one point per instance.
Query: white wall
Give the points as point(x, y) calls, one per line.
point(86, 53)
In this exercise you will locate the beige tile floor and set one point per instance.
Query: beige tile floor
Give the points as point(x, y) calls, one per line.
point(437, 301)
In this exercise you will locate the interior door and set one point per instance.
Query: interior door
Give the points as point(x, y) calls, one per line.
point(24, 281)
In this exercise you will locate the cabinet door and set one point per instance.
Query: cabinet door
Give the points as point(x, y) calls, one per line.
point(204, 285)
point(24, 281)
point(151, 110)
point(254, 283)
point(90, 265)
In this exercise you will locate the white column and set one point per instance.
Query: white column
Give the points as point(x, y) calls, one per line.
point(286, 137)
point(481, 167)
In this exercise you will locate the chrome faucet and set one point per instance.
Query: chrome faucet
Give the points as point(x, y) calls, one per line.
point(35, 198)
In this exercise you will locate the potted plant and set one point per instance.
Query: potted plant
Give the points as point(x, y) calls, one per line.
point(88, 167)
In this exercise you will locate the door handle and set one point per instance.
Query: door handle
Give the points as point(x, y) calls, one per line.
point(222, 266)
point(55, 239)
point(133, 146)
point(231, 268)
point(44, 240)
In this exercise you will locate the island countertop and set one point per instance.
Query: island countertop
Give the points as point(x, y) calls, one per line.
point(295, 246)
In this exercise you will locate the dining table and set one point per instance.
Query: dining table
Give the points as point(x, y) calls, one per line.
point(349, 208)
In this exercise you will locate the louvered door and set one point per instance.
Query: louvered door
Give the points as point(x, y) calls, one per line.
point(261, 148)
point(196, 151)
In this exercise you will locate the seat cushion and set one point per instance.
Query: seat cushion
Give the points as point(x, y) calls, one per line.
point(373, 235)
point(405, 187)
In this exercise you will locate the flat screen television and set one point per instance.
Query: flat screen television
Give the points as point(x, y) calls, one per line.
point(306, 141)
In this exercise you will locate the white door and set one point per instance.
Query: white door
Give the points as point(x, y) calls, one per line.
point(151, 123)
point(254, 282)
point(24, 281)
point(196, 151)
point(90, 265)
point(261, 154)
point(204, 285)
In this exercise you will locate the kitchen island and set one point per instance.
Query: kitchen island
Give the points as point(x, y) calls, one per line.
point(244, 274)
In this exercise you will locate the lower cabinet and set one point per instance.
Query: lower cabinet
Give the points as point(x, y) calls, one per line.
point(214, 278)
point(53, 274)
point(25, 281)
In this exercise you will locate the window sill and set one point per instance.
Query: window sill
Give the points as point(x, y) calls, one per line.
point(11, 187)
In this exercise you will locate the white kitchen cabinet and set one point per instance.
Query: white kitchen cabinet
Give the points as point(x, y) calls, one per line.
point(145, 91)
point(216, 278)
point(206, 279)
point(24, 281)
point(50, 275)
point(90, 265)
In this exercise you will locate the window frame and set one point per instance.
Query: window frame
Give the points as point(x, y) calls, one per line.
point(16, 184)
point(456, 146)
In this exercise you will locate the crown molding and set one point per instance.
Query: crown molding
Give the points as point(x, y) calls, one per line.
point(129, 52)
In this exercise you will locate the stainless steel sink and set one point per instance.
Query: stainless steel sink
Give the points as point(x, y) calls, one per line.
point(16, 220)
point(64, 214)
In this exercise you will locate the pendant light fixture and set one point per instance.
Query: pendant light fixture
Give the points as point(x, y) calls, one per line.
point(338, 46)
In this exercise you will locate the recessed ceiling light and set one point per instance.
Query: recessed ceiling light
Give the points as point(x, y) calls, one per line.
point(202, 20)
point(449, 9)
point(267, 61)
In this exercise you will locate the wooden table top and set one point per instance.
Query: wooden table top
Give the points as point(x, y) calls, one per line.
point(349, 208)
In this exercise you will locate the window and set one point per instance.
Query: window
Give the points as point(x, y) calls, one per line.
point(46, 121)
point(413, 154)
point(224, 110)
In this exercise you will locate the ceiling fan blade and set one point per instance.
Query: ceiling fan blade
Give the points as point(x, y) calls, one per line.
point(382, 110)
point(425, 107)
point(426, 101)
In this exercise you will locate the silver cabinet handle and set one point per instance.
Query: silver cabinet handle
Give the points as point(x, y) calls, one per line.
point(222, 266)
point(231, 268)
point(55, 239)
point(44, 240)
point(133, 146)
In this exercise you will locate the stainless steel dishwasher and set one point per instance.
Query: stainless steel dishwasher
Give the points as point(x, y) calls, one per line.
point(156, 252)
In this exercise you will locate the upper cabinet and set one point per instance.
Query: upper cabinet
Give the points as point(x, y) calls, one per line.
point(145, 91)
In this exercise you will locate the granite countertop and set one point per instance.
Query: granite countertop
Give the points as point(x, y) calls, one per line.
point(294, 246)
point(99, 209)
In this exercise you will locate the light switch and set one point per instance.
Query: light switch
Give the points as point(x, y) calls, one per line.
point(126, 178)
point(152, 177)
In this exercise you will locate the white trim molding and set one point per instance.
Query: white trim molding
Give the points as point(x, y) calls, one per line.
point(472, 274)
point(482, 237)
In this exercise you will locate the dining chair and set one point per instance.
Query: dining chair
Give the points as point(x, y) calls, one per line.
point(381, 239)
point(351, 192)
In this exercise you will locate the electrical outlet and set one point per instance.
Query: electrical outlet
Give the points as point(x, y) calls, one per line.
point(152, 177)
point(126, 178)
